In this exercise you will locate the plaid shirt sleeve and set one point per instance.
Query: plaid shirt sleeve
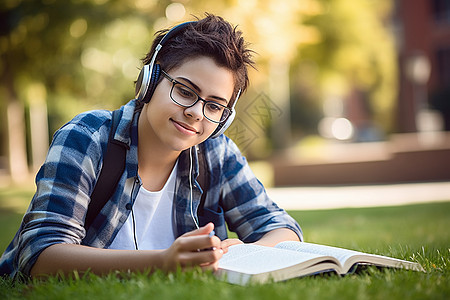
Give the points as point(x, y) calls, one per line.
point(64, 183)
point(247, 208)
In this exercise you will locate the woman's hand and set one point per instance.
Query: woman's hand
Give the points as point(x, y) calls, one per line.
point(195, 248)
point(276, 236)
point(229, 242)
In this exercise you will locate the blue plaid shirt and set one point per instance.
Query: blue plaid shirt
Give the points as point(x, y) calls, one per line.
point(67, 178)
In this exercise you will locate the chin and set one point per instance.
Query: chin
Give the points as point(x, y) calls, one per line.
point(180, 143)
point(180, 146)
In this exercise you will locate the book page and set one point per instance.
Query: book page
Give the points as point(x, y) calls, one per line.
point(341, 254)
point(254, 259)
point(348, 258)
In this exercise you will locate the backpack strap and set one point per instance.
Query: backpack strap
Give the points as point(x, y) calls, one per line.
point(112, 170)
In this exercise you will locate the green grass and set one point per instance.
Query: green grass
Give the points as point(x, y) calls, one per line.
point(417, 232)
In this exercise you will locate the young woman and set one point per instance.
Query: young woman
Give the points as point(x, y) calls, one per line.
point(186, 92)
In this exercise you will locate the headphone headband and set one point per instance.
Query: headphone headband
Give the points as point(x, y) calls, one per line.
point(148, 77)
point(174, 31)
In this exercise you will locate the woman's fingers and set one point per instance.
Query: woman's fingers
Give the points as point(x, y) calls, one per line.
point(205, 230)
point(200, 257)
point(197, 243)
point(229, 242)
point(195, 248)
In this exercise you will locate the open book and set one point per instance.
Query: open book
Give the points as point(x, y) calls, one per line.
point(246, 263)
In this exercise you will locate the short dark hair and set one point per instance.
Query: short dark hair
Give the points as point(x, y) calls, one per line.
point(213, 37)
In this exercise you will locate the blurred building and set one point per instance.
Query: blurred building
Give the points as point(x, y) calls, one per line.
point(423, 36)
point(419, 150)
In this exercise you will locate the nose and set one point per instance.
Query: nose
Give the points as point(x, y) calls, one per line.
point(195, 111)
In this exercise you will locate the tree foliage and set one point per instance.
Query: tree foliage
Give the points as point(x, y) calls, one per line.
point(80, 51)
point(355, 51)
point(84, 54)
point(70, 56)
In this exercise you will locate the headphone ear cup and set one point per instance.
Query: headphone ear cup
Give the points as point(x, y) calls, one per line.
point(142, 83)
point(223, 126)
point(154, 78)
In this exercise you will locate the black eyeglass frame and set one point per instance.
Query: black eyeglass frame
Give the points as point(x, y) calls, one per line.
point(226, 110)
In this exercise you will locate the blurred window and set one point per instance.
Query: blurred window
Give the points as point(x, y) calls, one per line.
point(443, 62)
point(441, 10)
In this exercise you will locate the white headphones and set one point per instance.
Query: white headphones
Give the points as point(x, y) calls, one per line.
point(150, 73)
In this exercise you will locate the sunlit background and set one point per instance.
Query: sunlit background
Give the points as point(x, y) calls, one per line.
point(345, 92)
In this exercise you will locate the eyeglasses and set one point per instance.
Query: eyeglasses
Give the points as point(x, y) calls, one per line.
point(184, 96)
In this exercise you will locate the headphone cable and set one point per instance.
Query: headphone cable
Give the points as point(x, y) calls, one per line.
point(190, 186)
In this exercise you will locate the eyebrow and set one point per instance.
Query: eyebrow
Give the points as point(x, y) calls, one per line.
point(199, 90)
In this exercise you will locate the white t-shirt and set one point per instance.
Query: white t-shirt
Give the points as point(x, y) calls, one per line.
point(153, 220)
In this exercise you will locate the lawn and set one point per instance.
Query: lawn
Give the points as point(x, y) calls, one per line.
point(418, 232)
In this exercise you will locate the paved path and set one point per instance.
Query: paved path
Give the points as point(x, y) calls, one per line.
point(307, 198)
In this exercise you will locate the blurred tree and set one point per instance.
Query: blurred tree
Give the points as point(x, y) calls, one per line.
point(275, 31)
point(355, 55)
point(308, 52)
point(67, 56)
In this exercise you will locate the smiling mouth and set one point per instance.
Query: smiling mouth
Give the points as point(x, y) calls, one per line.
point(184, 127)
